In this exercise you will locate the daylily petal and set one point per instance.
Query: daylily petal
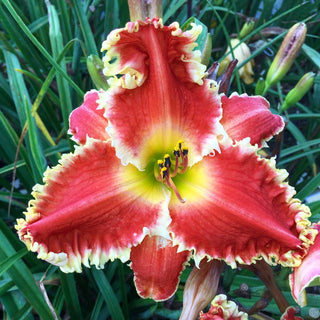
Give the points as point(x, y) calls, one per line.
point(87, 120)
point(307, 272)
point(239, 209)
point(222, 309)
point(290, 314)
point(161, 98)
point(92, 209)
point(245, 116)
point(157, 267)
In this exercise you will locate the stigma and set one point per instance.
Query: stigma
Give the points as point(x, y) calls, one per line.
point(167, 169)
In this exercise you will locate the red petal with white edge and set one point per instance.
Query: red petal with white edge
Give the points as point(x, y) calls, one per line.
point(161, 98)
point(245, 116)
point(92, 209)
point(157, 267)
point(239, 209)
point(307, 272)
point(87, 120)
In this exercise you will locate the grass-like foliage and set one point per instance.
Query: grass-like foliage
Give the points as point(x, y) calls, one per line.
point(44, 47)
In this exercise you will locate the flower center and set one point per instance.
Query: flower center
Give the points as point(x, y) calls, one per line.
point(164, 171)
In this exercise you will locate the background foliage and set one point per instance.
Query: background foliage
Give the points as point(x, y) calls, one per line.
point(44, 46)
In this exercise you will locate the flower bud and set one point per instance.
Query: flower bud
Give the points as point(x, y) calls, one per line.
point(95, 68)
point(246, 28)
point(286, 54)
point(259, 87)
point(206, 51)
point(300, 89)
point(241, 53)
point(200, 288)
point(141, 9)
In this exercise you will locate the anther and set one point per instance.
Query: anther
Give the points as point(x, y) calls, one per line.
point(185, 151)
point(176, 152)
point(164, 172)
point(180, 142)
point(160, 164)
point(167, 161)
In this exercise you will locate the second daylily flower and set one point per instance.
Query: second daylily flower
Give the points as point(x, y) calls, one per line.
point(165, 169)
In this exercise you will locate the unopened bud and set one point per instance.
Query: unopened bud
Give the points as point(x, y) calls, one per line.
point(259, 87)
point(246, 28)
point(200, 288)
point(300, 89)
point(141, 9)
point(287, 53)
point(241, 52)
point(206, 51)
point(95, 67)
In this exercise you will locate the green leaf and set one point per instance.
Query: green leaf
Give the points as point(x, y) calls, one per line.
point(312, 54)
point(40, 47)
point(85, 28)
point(108, 294)
point(309, 188)
point(7, 263)
point(35, 146)
point(23, 279)
point(71, 295)
point(57, 47)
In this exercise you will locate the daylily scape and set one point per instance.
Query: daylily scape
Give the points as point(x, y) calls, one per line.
point(166, 169)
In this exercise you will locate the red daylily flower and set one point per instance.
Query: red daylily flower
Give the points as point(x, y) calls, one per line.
point(133, 190)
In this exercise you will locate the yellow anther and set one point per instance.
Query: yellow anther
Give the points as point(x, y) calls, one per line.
point(180, 142)
point(185, 150)
point(164, 172)
point(166, 156)
point(176, 152)
point(160, 162)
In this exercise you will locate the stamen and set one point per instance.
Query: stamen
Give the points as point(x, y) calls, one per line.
point(165, 165)
point(184, 160)
point(176, 152)
point(161, 165)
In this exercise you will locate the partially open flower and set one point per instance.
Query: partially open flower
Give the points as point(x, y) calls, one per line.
point(241, 52)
